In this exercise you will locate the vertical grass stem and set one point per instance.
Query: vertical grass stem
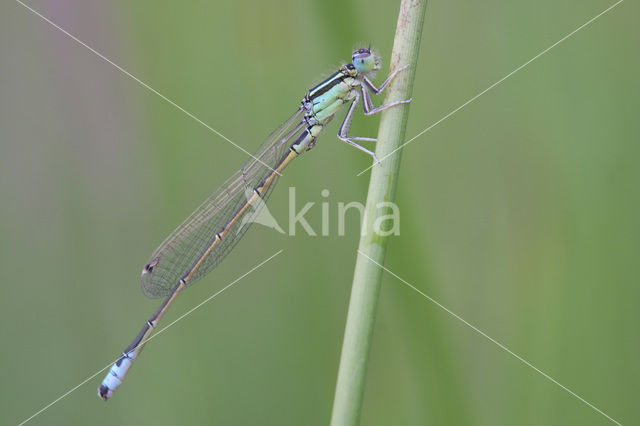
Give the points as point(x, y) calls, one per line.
point(382, 185)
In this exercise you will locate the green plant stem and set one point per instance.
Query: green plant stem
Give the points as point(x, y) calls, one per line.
point(382, 185)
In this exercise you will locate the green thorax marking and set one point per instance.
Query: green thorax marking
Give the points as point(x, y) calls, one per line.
point(325, 99)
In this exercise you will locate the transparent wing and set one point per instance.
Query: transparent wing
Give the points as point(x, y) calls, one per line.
point(187, 243)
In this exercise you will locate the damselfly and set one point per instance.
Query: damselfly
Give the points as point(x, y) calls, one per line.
point(202, 241)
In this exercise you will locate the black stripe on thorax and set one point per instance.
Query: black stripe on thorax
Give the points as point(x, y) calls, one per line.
point(322, 88)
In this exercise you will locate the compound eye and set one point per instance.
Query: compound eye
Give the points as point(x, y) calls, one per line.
point(364, 60)
point(361, 55)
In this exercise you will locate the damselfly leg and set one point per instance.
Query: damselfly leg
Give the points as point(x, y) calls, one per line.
point(363, 90)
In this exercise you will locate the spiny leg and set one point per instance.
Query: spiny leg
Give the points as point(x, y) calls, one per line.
point(367, 103)
point(384, 83)
point(369, 109)
point(344, 129)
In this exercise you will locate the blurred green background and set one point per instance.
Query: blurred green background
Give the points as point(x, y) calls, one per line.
point(520, 213)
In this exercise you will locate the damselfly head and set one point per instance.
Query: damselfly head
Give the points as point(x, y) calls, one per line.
point(365, 60)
